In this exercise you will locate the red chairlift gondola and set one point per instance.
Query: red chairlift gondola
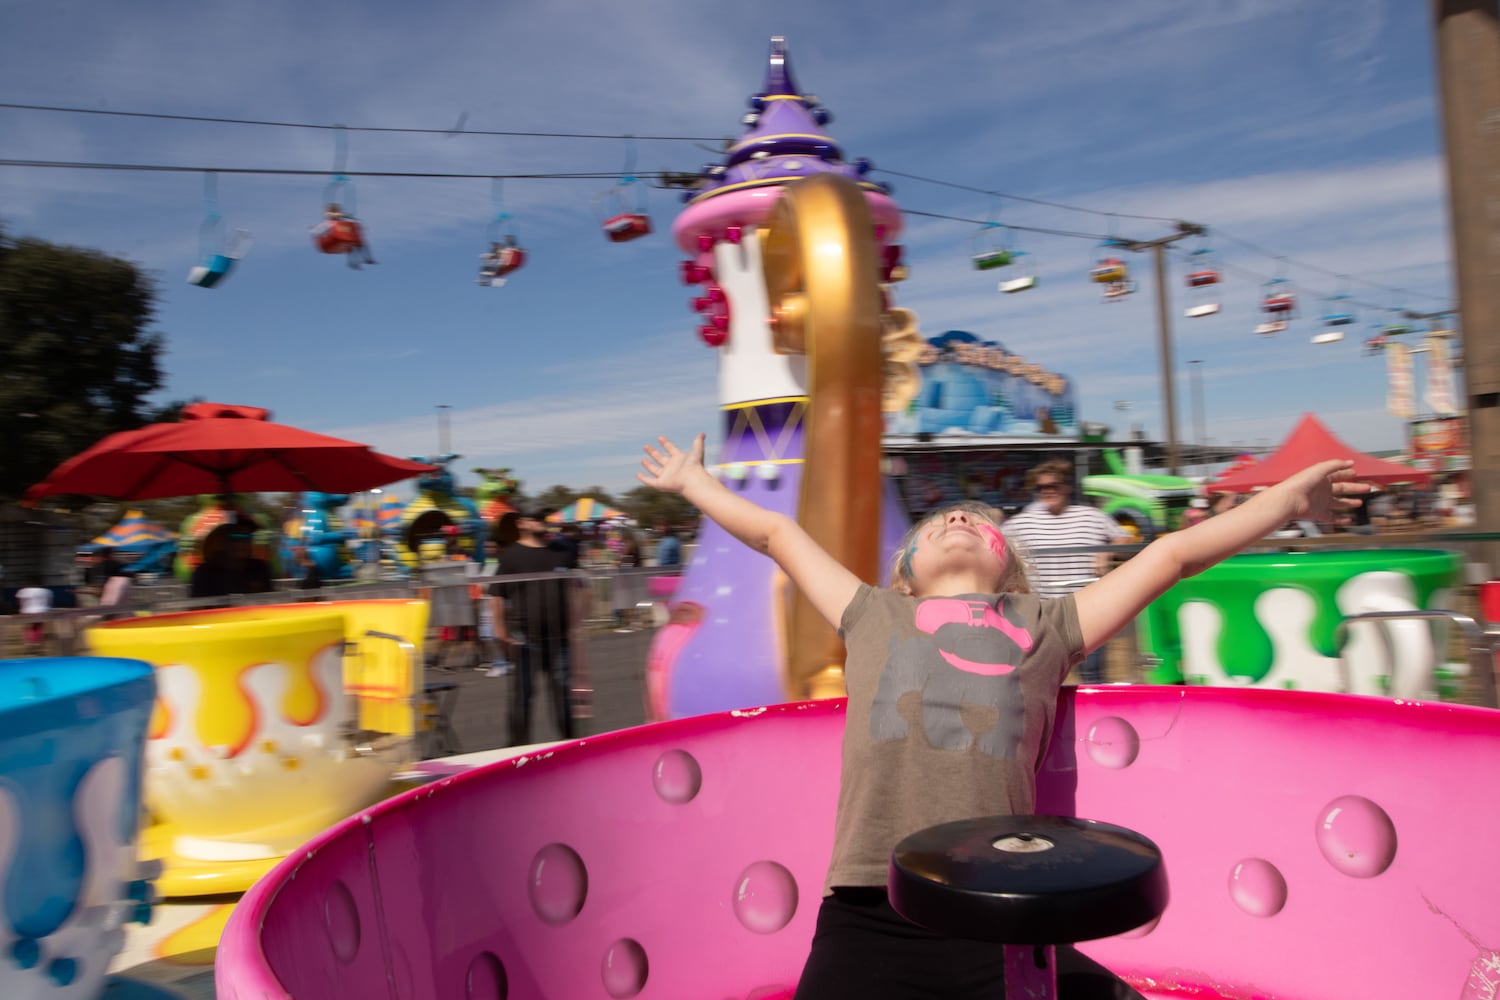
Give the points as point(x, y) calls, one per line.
point(1279, 303)
point(624, 217)
point(502, 258)
point(340, 231)
point(505, 254)
point(1202, 274)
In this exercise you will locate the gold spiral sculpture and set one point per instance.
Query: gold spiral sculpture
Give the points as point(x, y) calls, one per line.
point(818, 253)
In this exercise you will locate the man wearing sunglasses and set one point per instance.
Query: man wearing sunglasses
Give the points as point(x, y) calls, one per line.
point(1053, 522)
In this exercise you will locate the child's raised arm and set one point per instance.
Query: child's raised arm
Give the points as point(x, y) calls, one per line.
point(1319, 491)
point(826, 582)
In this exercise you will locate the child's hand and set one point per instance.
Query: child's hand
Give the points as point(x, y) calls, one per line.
point(669, 468)
point(1327, 490)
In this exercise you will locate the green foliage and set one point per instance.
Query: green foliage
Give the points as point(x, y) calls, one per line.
point(652, 508)
point(76, 358)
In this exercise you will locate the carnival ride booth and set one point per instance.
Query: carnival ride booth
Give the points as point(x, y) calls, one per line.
point(271, 722)
point(686, 859)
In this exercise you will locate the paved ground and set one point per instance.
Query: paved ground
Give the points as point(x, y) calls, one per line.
point(617, 669)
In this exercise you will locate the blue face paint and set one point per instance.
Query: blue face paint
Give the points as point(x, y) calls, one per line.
point(905, 566)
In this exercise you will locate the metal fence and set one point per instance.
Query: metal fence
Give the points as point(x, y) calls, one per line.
point(628, 600)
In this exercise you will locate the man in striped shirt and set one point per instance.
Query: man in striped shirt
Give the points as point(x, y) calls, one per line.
point(1054, 522)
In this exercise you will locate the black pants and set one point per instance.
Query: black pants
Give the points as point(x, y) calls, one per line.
point(537, 658)
point(864, 950)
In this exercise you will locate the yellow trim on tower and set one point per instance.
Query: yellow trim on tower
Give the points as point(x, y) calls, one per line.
point(762, 402)
point(761, 139)
point(767, 182)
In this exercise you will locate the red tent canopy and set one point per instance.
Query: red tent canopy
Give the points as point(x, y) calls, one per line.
point(1310, 442)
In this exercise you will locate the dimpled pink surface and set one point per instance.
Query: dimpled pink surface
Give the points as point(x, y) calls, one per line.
point(1318, 847)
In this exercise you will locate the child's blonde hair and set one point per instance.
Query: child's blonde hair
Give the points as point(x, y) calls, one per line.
point(1012, 580)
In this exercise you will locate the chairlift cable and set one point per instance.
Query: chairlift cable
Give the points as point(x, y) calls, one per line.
point(352, 128)
point(295, 172)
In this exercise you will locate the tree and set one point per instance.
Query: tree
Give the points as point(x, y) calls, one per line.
point(76, 358)
point(649, 507)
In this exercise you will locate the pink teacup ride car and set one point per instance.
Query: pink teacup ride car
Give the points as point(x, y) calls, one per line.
point(1315, 846)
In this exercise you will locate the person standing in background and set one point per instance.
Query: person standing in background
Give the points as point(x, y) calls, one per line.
point(1054, 522)
point(532, 621)
point(669, 547)
point(34, 599)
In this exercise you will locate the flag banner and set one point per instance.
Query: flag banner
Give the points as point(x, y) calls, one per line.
point(1400, 399)
point(1439, 392)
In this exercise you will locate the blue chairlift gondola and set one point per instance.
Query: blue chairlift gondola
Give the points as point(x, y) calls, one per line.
point(217, 251)
point(1336, 315)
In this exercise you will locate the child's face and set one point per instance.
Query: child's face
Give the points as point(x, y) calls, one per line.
point(957, 540)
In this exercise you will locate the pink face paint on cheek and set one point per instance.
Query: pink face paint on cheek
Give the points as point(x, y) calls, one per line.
point(995, 539)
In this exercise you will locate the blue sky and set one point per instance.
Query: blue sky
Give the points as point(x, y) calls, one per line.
point(1306, 130)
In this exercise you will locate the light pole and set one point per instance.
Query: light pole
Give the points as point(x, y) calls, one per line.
point(1195, 370)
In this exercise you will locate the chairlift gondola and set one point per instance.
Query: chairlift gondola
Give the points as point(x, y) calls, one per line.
point(1336, 316)
point(1398, 328)
point(623, 207)
point(1023, 278)
point(218, 252)
point(987, 251)
point(505, 254)
point(1279, 304)
point(340, 231)
point(1112, 272)
point(1203, 273)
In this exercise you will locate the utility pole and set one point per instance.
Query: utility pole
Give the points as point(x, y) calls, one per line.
point(1468, 69)
point(442, 428)
point(1158, 248)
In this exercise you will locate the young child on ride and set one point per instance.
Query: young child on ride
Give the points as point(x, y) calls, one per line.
point(984, 660)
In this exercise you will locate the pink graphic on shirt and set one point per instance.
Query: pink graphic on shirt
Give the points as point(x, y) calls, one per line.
point(972, 638)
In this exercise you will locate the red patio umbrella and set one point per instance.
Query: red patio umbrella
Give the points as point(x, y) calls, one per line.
point(220, 448)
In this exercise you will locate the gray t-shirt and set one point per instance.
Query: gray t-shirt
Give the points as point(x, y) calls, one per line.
point(951, 707)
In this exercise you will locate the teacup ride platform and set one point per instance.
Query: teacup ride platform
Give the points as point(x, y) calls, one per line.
point(1316, 846)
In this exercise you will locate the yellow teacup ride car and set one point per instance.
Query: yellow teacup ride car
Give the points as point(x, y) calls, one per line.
point(270, 724)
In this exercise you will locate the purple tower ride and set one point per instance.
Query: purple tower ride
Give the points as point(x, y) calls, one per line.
point(725, 646)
